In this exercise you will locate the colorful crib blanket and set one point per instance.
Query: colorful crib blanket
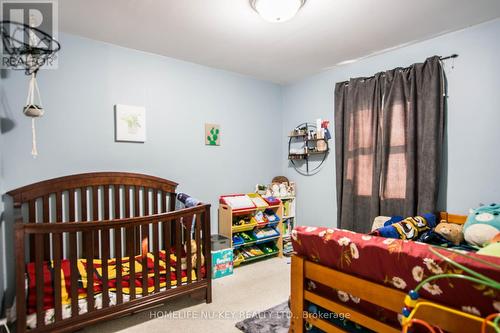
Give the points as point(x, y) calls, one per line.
point(48, 275)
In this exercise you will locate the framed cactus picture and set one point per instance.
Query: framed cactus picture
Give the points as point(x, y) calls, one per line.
point(130, 123)
point(212, 134)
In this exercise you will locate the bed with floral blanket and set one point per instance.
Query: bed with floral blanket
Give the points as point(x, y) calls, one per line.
point(396, 264)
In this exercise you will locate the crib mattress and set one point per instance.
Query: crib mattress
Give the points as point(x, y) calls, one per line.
point(398, 264)
point(126, 285)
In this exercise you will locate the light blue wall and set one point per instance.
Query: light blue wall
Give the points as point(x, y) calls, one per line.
point(473, 119)
point(77, 132)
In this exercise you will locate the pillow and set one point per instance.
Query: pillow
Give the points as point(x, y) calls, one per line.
point(379, 221)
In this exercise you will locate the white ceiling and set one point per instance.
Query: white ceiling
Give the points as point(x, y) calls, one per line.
point(228, 34)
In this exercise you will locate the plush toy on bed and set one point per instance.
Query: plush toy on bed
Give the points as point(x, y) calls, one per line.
point(482, 224)
point(409, 228)
point(453, 232)
point(492, 248)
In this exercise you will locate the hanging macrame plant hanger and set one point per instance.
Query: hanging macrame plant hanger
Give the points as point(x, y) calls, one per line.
point(33, 109)
point(33, 48)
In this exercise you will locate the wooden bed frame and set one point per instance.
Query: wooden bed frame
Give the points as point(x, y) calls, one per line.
point(389, 298)
point(100, 216)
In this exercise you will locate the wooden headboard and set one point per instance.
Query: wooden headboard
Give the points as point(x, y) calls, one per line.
point(85, 180)
point(96, 196)
point(452, 218)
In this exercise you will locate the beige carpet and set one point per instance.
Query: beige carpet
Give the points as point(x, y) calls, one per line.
point(251, 289)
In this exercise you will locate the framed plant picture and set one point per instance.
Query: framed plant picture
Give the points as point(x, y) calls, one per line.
point(130, 123)
point(212, 134)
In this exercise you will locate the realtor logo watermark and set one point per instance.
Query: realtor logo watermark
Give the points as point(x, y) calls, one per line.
point(17, 40)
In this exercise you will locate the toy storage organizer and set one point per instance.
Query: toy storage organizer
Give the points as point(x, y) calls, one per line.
point(288, 223)
point(252, 238)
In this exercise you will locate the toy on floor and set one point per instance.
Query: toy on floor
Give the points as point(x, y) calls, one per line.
point(409, 228)
point(482, 224)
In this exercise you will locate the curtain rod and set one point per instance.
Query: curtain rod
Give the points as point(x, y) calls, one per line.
point(452, 56)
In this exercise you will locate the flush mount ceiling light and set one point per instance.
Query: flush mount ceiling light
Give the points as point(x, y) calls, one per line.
point(277, 10)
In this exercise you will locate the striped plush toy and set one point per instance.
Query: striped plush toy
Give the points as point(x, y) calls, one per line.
point(408, 228)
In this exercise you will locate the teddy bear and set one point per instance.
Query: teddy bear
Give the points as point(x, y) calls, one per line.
point(194, 256)
point(451, 231)
point(482, 224)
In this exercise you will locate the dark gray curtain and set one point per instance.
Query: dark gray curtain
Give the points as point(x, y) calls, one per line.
point(388, 143)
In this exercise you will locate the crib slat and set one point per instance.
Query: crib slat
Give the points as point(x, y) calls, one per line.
point(32, 219)
point(71, 205)
point(57, 249)
point(206, 252)
point(57, 254)
point(137, 212)
point(145, 245)
point(84, 214)
point(95, 217)
point(39, 255)
point(118, 269)
point(73, 256)
point(118, 249)
point(74, 273)
point(46, 219)
point(167, 241)
point(57, 277)
point(131, 258)
point(20, 279)
point(163, 199)
point(178, 251)
point(156, 241)
point(172, 202)
point(129, 240)
point(105, 249)
point(90, 270)
point(187, 237)
point(197, 238)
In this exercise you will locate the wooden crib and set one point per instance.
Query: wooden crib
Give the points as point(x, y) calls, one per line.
point(106, 217)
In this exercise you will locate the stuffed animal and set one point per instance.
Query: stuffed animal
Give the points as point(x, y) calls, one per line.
point(409, 228)
point(482, 224)
point(194, 256)
point(451, 231)
point(493, 247)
